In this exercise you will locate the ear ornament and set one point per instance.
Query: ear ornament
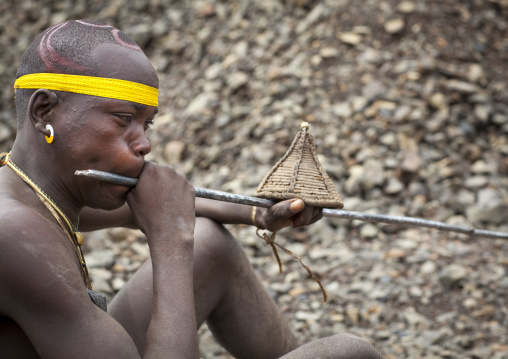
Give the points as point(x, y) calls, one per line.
point(52, 134)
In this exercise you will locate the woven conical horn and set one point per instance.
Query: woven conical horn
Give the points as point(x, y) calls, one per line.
point(299, 174)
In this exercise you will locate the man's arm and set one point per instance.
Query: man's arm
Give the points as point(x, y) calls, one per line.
point(165, 214)
point(43, 292)
point(283, 214)
point(280, 215)
point(94, 219)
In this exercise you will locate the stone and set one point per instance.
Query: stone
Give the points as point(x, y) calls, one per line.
point(462, 87)
point(237, 80)
point(173, 151)
point(476, 74)
point(200, 103)
point(394, 26)
point(117, 283)
point(369, 231)
point(476, 182)
point(394, 186)
point(370, 56)
point(350, 38)
point(213, 71)
point(482, 167)
point(407, 7)
point(482, 112)
point(100, 258)
point(100, 285)
point(329, 52)
point(452, 274)
point(428, 267)
point(373, 174)
point(490, 207)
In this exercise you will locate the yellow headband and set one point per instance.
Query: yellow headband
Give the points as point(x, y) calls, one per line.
point(89, 85)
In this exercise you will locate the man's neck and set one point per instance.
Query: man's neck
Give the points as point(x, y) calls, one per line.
point(42, 174)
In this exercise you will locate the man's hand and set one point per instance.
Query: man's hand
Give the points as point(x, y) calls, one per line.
point(287, 213)
point(162, 203)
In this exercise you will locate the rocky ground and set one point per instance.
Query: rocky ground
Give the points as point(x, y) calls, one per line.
point(408, 105)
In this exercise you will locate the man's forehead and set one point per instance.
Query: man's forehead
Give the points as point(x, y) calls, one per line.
point(141, 107)
point(136, 105)
point(115, 61)
point(104, 102)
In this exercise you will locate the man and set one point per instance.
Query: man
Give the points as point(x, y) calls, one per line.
point(85, 96)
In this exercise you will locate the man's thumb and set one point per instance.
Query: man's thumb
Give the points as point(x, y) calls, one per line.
point(297, 206)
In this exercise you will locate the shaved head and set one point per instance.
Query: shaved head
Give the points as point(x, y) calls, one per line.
point(71, 48)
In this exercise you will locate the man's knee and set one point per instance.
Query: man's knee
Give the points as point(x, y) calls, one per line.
point(338, 346)
point(214, 245)
point(353, 347)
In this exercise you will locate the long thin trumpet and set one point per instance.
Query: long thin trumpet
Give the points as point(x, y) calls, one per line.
point(337, 213)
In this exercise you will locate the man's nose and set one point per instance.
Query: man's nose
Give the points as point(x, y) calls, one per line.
point(141, 146)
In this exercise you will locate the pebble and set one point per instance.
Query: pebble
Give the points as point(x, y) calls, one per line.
point(475, 182)
point(393, 186)
point(100, 258)
point(452, 274)
point(102, 286)
point(199, 103)
point(117, 283)
point(350, 38)
point(428, 267)
point(490, 207)
point(407, 7)
point(461, 87)
point(329, 52)
point(394, 26)
point(369, 231)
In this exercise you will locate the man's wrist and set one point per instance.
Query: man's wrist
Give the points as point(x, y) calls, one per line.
point(253, 216)
point(257, 217)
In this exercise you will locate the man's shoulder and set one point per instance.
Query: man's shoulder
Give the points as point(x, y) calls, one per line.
point(15, 213)
point(26, 236)
point(35, 255)
point(18, 219)
point(26, 227)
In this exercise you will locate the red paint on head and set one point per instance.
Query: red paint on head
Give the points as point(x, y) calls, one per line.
point(54, 61)
point(51, 57)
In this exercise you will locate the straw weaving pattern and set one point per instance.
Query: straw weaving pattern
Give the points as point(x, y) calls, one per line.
point(299, 174)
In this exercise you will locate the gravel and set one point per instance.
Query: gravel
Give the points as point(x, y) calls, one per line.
point(408, 105)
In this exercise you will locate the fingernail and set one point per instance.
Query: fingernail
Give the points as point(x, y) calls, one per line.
point(297, 205)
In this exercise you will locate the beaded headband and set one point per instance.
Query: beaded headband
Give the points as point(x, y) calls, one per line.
point(90, 85)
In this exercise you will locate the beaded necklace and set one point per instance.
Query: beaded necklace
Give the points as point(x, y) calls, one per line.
point(74, 236)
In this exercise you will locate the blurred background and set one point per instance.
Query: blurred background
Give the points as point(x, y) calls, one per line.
point(408, 105)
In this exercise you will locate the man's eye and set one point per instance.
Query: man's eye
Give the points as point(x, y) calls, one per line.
point(126, 118)
point(148, 124)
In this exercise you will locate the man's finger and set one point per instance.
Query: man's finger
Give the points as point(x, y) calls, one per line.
point(308, 216)
point(297, 206)
point(286, 209)
point(317, 216)
point(303, 218)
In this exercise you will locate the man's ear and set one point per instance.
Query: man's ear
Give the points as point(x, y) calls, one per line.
point(41, 103)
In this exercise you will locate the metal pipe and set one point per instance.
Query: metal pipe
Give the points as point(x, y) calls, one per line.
point(336, 213)
point(200, 192)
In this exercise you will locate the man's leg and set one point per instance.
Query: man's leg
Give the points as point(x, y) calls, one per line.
point(227, 293)
point(339, 346)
